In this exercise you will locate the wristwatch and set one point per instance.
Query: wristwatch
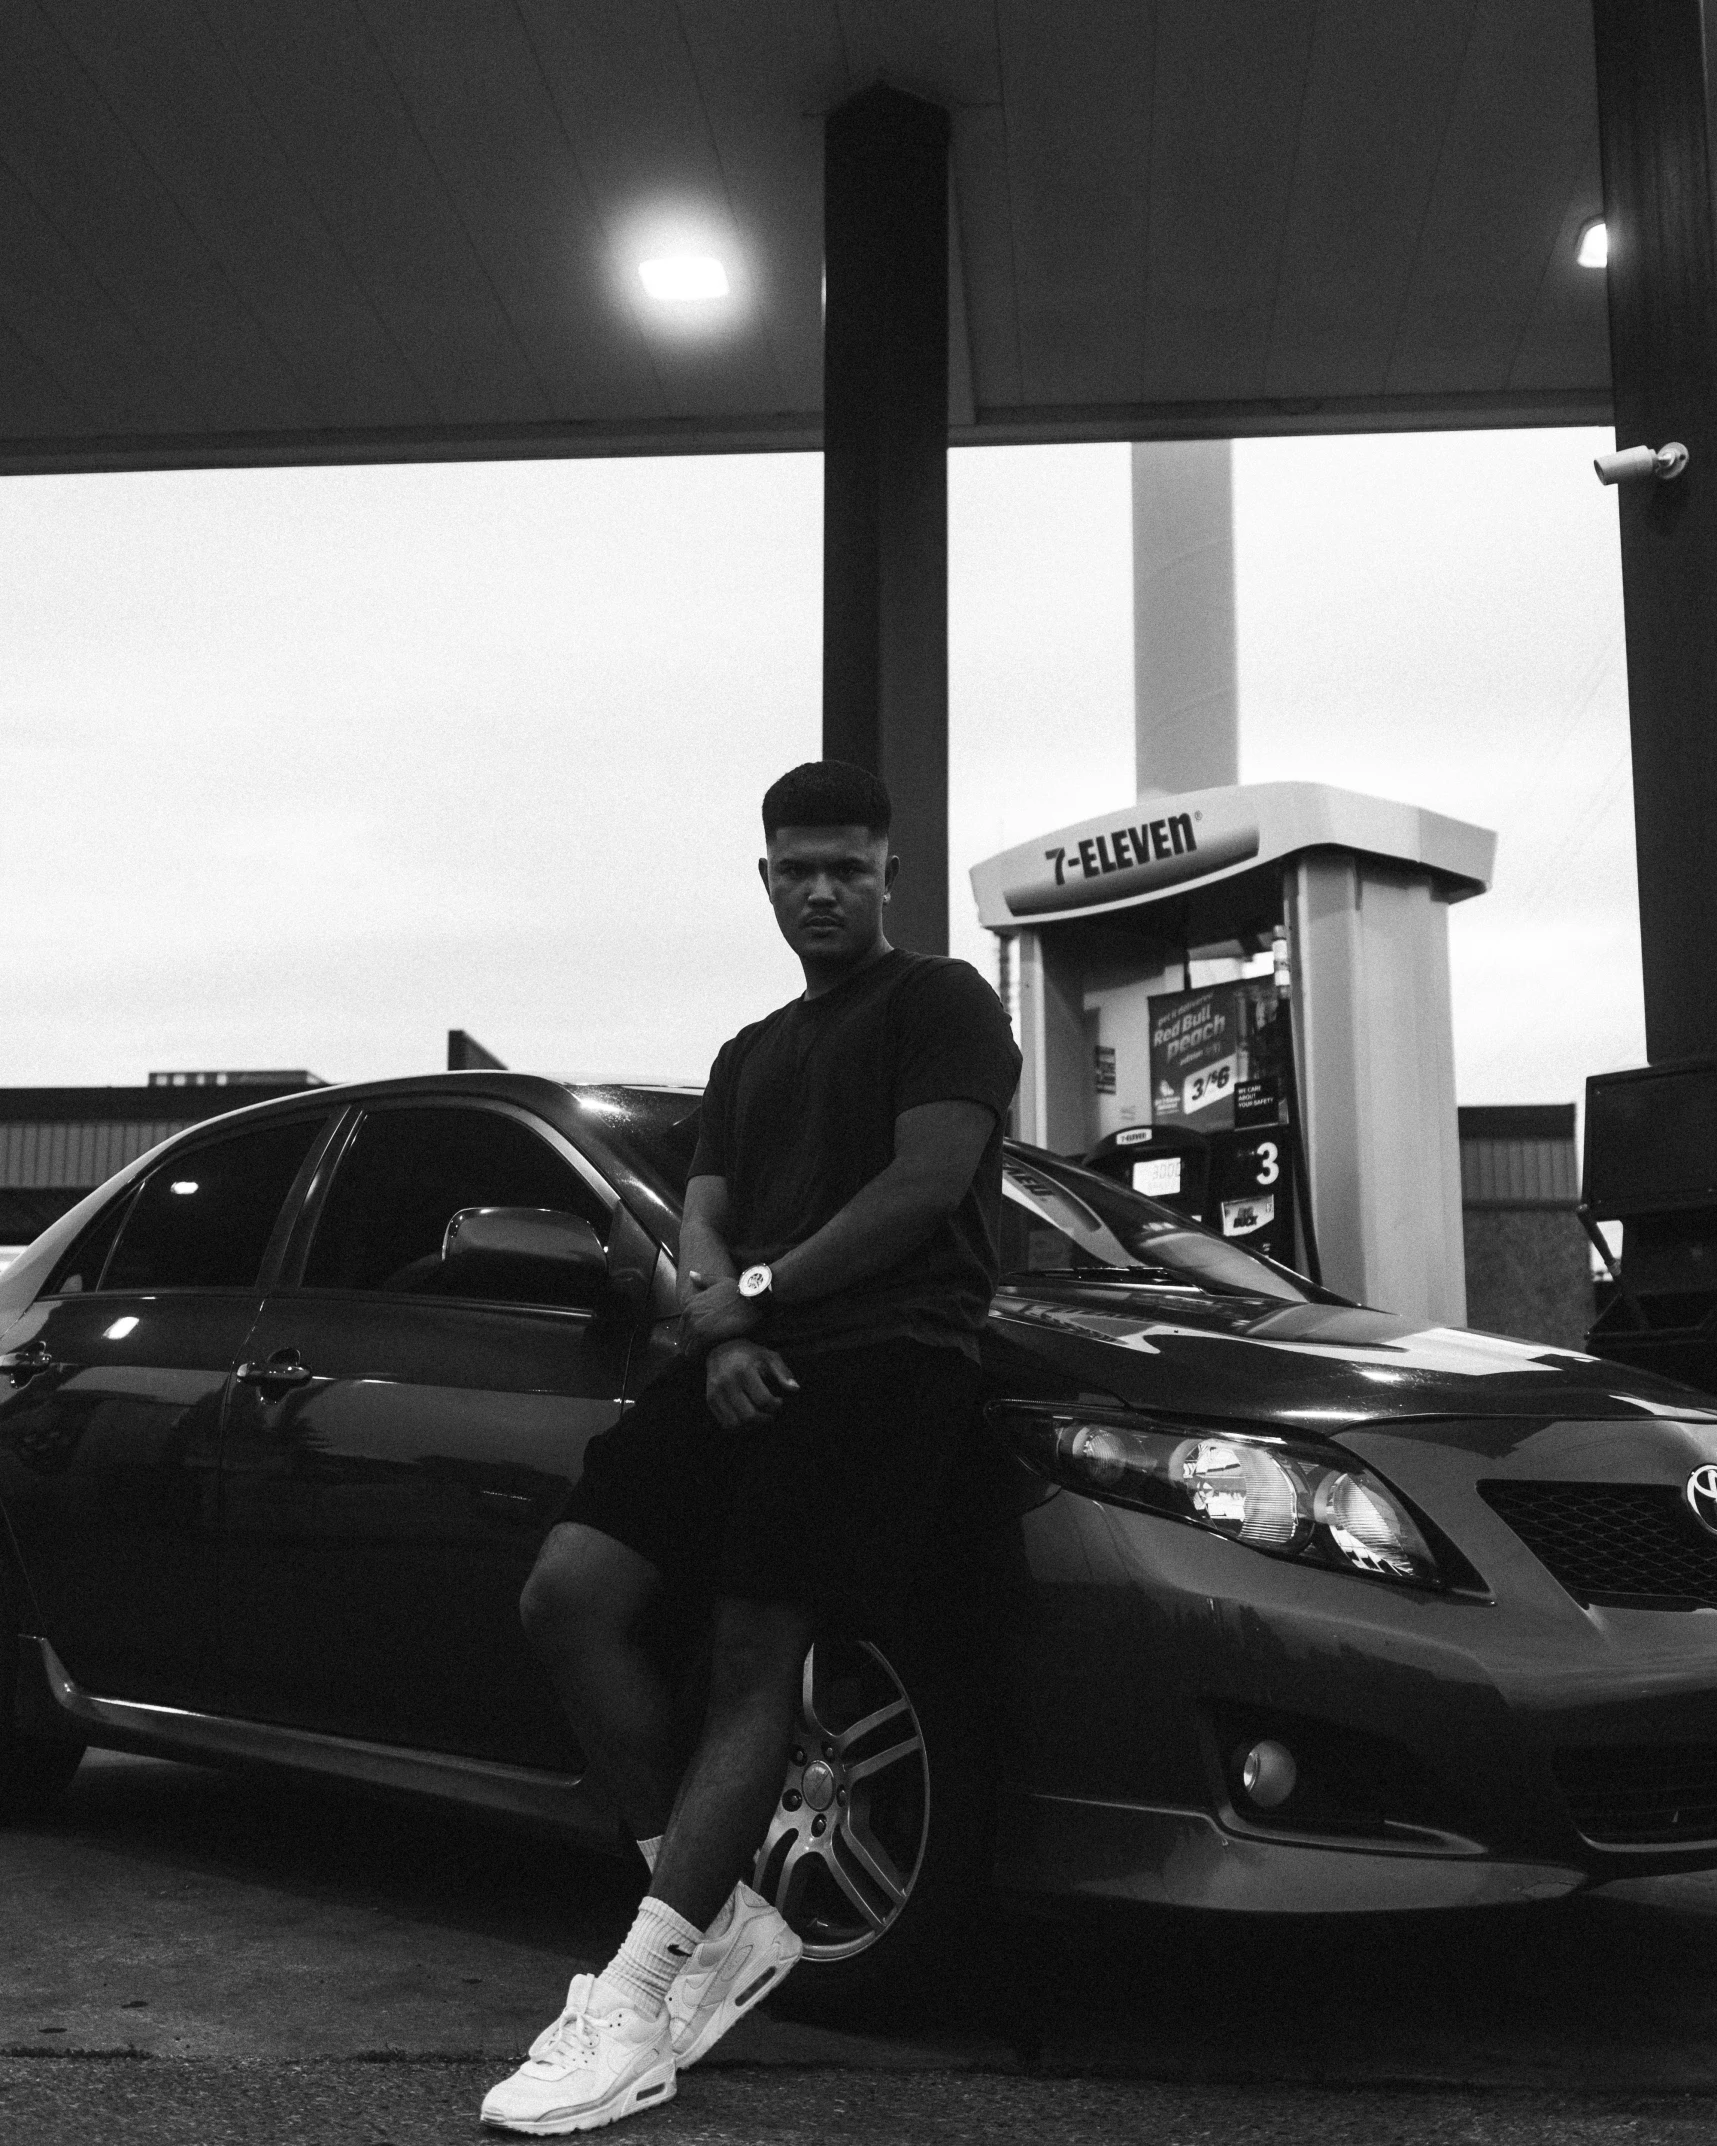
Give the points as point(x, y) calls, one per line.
point(756, 1282)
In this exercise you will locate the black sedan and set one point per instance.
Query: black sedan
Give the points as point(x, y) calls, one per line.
point(1246, 1597)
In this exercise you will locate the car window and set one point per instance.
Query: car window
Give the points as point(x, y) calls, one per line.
point(80, 1266)
point(202, 1220)
point(1064, 1219)
point(407, 1173)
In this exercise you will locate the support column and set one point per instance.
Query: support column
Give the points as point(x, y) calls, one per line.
point(1055, 1074)
point(885, 478)
point(1186, 690)
point(1369, 944)
point(1654, 102)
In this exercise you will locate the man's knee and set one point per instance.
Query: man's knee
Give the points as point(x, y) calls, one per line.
point(583, 1583)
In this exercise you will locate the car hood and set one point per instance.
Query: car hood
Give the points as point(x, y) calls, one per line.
point(1312, 1367)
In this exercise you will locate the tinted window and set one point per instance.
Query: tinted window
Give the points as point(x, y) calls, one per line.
point(81, 1267)
point(407, 1174)
point(204, 1218)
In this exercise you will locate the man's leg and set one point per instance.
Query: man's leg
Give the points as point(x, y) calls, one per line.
point(697, 1920)
point(735, 1774)
point(582, 1608)
point(613, 2050)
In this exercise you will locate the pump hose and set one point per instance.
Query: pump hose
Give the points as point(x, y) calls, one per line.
point(1297, 1147)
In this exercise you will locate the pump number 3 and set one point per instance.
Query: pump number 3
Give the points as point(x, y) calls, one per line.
point(1269, 1162)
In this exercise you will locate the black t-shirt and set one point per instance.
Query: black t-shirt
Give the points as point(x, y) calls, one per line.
point(799, 1114)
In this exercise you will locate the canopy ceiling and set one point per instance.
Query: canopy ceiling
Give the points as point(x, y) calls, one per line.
point(322, 230)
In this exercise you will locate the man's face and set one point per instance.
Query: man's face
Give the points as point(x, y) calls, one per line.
point(826, 885)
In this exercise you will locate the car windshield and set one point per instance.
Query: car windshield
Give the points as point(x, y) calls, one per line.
point(652, 1130)
point(1057, 1218)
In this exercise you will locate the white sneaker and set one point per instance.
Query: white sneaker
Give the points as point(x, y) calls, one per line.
point(727, 1975)
point(601, 2060)
point(577, 1991)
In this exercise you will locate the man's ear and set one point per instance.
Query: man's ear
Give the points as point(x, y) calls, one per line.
point(890, 873)
point(763, 872)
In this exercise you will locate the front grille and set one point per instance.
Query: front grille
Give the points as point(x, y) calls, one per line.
point(1613, 1542)
point(1634, 1794)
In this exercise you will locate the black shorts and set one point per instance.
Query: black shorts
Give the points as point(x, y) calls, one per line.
point(831, 1503)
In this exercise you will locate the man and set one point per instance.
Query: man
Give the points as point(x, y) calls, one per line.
point(837, 1257)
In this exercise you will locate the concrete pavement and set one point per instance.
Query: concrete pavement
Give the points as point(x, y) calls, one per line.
point(192, 1956)
point(433, 2104)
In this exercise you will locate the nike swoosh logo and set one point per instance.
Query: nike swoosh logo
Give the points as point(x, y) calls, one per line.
point(701, 1989)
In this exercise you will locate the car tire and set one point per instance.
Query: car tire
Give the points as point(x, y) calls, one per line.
point(891, 1752)
point(34, 1771)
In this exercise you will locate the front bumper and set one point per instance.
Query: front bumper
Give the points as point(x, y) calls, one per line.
point(1144, 1643)
point(1069, 1848)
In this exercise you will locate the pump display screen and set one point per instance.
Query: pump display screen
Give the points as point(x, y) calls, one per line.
point(1651, 1141)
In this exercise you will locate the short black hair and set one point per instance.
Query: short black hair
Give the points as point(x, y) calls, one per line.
point(827, 793)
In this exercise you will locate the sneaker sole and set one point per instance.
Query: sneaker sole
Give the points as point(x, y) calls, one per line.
point(649, 2092)
point(752, 1992)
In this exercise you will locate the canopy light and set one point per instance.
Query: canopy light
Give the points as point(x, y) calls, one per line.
point(1593, 250)
point(681, 276)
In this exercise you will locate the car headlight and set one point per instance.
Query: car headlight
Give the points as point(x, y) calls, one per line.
point(1287, 1498)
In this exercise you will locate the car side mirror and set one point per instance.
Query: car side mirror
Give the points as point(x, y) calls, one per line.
point(555, 1256)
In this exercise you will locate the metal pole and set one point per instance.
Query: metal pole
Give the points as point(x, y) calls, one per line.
point(885, 478)
point(1654, 92)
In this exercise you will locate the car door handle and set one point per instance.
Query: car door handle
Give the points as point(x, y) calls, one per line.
point(274, 1373)
point(27, 1363)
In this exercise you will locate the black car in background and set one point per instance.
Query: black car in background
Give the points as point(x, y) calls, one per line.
point(1245, 1598)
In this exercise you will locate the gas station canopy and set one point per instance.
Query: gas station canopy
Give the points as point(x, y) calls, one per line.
point(376, 229)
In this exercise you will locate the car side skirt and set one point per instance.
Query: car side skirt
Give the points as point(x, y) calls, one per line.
point(1067, 1848)
point(50, 1703)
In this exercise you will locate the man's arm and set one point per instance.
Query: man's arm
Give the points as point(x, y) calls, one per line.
point(704, 1256)
point(744, 1381)
point(937, 1149)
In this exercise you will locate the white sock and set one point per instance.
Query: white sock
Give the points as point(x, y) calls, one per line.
point(657, 1946)
point(650, 1849)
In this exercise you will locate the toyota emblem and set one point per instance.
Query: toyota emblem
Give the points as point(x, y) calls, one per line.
point(1701, 1494)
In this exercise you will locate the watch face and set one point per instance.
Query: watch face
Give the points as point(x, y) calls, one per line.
point(754, 1281)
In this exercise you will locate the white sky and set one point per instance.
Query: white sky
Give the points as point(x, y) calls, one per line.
point(306, 767)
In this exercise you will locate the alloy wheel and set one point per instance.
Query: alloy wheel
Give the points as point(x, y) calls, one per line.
point(846, 1843)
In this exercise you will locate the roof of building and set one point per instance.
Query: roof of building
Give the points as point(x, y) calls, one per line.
point(1518, 1155)
point(1516, 1121)
point(57, 1138)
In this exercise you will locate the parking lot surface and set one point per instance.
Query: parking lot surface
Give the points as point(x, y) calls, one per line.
point(191, 1956)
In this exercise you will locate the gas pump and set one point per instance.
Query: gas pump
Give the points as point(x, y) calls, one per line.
point(1170, 1163)
point(1265, 968)
point(1238, 1174)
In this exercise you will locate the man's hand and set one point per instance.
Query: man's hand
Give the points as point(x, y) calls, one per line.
point(715, 1311)
point(746, 1383)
